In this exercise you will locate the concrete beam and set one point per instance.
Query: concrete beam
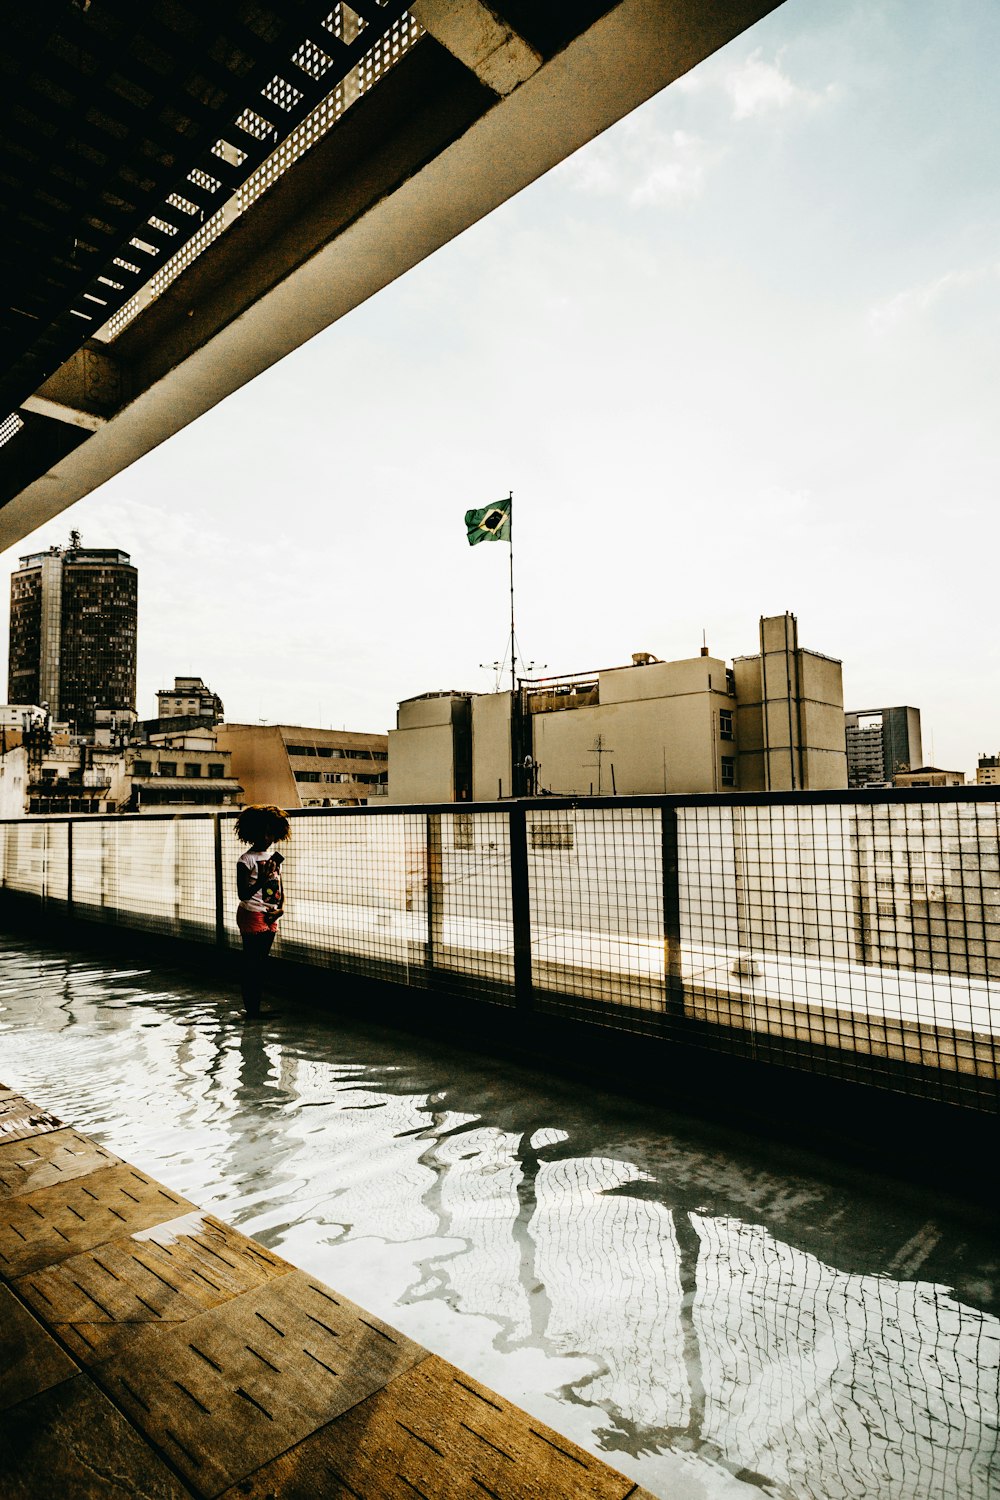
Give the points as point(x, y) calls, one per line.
point(488, 46)
point(85, 392)
point(427, 152)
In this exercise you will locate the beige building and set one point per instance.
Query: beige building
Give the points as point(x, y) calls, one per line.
point(790, 717)
point(292, 766)
point(430, 750)
point(929, 776)
point(772, 721)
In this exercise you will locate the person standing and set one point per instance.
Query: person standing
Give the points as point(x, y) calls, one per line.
point(261, 894)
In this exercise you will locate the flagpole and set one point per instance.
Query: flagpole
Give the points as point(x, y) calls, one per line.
point(513, 684)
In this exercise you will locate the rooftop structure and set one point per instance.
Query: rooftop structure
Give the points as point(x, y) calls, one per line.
point(928, 776)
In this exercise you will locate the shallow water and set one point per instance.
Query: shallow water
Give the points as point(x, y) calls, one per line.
point(716, 1319)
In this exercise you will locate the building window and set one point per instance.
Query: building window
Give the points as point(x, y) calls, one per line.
point(168, 768)
point(725, 724)
point(142, 768)
point(192, 768)
point(307, 775)
point(463, 831)
point(728, 770)
point(552, 835)
point(216, 770)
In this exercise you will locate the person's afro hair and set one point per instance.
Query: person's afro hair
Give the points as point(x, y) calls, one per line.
point(262, 825)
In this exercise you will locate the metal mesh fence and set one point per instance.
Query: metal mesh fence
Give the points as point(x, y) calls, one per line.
point(828, 933)
point(154, 874)
point(596, 884)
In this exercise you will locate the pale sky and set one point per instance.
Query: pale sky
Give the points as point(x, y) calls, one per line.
point(737, 356)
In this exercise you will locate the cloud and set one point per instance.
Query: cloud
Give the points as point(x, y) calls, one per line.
point(754, 86)
point(680, 173)
point(913, 302)
point(642, 163)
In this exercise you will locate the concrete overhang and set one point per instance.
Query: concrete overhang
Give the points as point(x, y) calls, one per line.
point(487, 100)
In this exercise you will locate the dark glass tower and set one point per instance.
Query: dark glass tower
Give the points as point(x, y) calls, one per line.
point(73, 616)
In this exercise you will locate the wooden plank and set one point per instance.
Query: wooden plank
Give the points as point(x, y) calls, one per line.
point(243, 1382)
point(40, 1228)
point(70, 1441)
point(30, 1359)
point(19, 1118)
point(436, 1432)
point(98, 1301)
point(245, 1376)
point(57, 1156)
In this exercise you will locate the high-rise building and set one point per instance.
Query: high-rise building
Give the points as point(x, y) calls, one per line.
point(73, 618)
point(882, 742)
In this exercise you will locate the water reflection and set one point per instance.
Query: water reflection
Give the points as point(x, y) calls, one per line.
point(716, 1325)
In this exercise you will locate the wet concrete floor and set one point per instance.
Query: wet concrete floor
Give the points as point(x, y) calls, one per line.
point(716, 1317)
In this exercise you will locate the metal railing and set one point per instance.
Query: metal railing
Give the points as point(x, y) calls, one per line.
point(855, 935)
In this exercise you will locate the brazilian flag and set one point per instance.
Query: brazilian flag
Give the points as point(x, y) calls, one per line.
point(489, 525)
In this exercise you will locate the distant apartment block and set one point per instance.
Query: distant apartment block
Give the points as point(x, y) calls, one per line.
point(771, 721)
point(189, 698)
point(293, 766)
point(988, 770)
point(881, 742)
point(73, 615)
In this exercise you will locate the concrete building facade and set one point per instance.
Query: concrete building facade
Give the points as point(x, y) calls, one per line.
point(790, 714)
point(654, 727)
point(187, 770)
point(294, 766)
point(73, 617)
point(880, 743)
point(189, 698)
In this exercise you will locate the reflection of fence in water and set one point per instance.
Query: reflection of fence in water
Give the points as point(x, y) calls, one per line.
point(803, 1362)
point(699, 1333)
point(766, 921)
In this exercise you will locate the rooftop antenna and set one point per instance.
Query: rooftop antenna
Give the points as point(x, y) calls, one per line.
point(600, 750)
point(704, 643)
point(496, 667)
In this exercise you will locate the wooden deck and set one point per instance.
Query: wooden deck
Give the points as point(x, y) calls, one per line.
point(149, 1350)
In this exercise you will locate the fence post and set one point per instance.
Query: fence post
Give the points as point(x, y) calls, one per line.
point(69, 867)
point(520, 907)
point(220, 912)
point(671, 914)
point(435, 890)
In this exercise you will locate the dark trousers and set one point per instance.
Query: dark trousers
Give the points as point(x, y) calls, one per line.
point(256, 947)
